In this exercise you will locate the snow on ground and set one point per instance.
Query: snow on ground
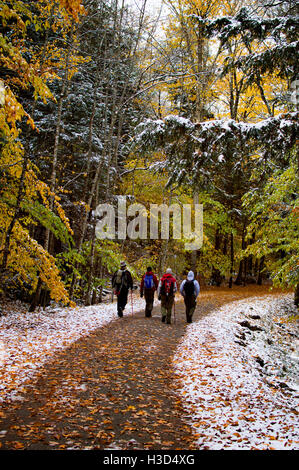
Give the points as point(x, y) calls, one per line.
point(236, 369)
point(29, 339)
point(237, 372)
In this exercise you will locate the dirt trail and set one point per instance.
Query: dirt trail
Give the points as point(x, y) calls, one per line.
point(112, 389)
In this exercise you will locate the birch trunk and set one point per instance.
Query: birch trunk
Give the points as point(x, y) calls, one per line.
point(230, 284)
point(62, 96)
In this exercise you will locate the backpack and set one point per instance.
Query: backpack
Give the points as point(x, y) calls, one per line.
point(118, 278)
point(125, 280)
point(167, 285)
point(148, 281)
point(189, 288)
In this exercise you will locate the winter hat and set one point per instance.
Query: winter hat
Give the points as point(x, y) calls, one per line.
point(168, 271)
point(190, 276)
point(123, 264)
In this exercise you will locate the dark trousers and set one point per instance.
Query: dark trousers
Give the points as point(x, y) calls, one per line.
point(122, 300)
point(166, 307)
point(190, 303)
point(149, 301)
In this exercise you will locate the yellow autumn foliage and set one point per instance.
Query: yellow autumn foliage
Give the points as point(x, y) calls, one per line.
point(27, 259)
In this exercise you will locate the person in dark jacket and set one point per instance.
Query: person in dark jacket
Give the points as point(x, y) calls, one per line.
point(190, 289)
point(148, 285)
point(121, 283)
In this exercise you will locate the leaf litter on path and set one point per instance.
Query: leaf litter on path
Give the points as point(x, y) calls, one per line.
point(86, 381)
point(237, 374)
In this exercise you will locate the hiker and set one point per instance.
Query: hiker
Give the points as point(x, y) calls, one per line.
point(121, 283)
point(166, 289)
point(190, 289)
point(149, 283)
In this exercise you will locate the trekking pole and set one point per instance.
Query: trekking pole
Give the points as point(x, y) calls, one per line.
point(132, 302)
point(174, 311)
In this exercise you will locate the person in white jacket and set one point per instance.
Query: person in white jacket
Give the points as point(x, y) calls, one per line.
point(190, 289)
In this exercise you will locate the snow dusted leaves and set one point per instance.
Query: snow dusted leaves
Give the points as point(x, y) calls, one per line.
point(151, 134)
point(231, 379)
point(230, 401)
point(2, 353)
point(192, 148)
point(281, 58)
point(254, 26)
point(29, 339)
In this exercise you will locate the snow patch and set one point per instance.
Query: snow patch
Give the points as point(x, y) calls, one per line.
point(238, 382)
point(29, 339)
point(2, 353)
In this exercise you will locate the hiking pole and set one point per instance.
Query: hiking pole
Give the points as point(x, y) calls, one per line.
point(174, 311)
point(132, 302)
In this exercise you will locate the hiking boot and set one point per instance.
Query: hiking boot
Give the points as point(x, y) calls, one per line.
point(120, 313)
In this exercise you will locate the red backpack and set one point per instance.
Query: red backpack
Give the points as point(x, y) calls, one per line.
point(167, 284)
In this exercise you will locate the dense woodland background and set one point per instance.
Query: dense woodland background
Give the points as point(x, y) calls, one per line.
point(103, 98)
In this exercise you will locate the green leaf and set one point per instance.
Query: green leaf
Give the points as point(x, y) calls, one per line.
point(49, 220)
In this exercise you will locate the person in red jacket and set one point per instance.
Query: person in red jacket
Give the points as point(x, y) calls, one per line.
point(166, 291)
point(148, 285)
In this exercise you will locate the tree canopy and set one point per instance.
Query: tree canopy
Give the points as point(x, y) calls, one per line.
point(97, 100)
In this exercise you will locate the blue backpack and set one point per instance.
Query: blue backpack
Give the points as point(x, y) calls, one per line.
point(148, 281)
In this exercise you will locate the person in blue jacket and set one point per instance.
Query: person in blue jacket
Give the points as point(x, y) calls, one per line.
point(190, 289)
point(149, 283)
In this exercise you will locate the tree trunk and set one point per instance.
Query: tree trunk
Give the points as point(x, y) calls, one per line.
point(225, 241)
point(165, 243)
point(91, 124)
point(216, 277)
point(241, 277)
point(90, 272)
point(119, 101)
point(194, 252)
point(35, 299)
point(62, 96)
point(91, 261)
point(296, 295)
point(260, 271)
point(230, 284)
point(39, 292)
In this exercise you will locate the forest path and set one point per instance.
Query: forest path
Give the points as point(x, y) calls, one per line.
point(112, 389)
